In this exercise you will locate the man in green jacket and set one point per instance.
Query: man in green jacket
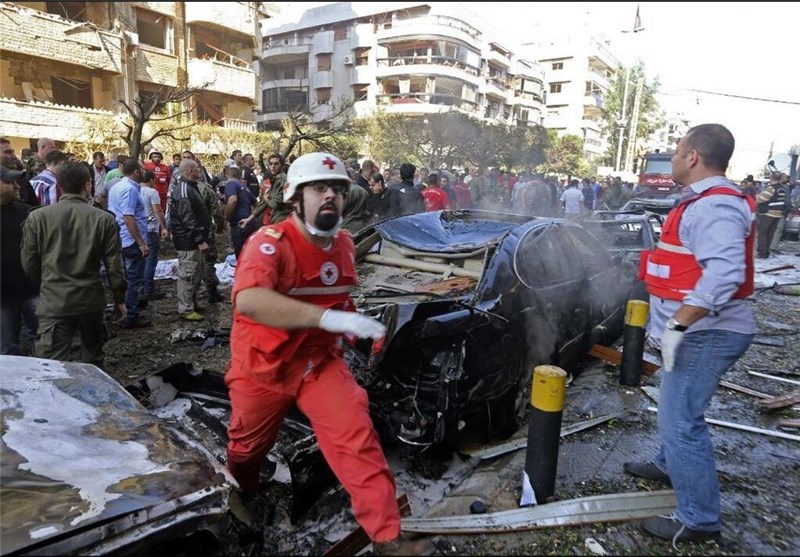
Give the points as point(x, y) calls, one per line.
point(62, 248)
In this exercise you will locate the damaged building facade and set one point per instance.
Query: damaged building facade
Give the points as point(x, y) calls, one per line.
point(67, 64)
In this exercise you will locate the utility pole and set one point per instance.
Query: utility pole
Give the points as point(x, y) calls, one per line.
point(621, 122)
point(637, 98)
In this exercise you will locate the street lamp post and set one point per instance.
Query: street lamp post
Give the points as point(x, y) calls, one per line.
point(622, 119)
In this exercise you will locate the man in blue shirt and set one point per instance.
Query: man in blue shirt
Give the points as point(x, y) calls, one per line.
point(125, 201)
point(238, 206)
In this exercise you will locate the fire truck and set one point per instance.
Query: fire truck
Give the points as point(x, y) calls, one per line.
point(655, 175)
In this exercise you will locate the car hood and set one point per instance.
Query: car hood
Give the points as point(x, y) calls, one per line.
point(80, 457)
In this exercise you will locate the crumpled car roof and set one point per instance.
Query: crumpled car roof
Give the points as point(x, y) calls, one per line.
point(80, 455)
point(449, 231)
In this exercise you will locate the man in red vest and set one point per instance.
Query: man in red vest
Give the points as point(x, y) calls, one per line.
point(291, 306)
point(161, 172)
point(698, 277)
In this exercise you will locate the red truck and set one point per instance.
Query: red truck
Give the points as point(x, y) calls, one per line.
point(655, 175)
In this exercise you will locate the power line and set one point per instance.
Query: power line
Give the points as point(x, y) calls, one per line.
point(742, 96)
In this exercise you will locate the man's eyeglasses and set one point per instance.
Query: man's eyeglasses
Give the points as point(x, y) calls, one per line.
point(339, 188)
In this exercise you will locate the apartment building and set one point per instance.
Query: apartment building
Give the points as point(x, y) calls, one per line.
point(65, 63)
point(401, 57)
point(579, 72)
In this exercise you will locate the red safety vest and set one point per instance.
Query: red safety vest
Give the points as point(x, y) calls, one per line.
point(671, 270)
point(323, 278)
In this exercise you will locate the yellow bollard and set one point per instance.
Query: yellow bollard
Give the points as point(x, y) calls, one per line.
point(544, 430)
point(633, 342)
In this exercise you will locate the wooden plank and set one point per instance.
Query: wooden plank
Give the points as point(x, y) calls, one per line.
point(357, 540)
point(789, 422)
point(781, 268)
point(614, 357)
point(778, 402)
point(745, 390)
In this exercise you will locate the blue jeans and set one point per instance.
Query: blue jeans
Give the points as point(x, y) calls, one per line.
point(134, 274)
point(686, 453)
point(13, 313)
point(154, 243)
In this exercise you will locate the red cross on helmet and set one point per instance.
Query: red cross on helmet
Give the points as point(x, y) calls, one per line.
point(311, 168)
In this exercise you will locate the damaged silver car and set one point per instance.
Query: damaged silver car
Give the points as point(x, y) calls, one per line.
point(86, 469)
point(472, 301)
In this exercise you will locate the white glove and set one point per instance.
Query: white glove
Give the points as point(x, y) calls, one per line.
point(350, 322)
point(670, 340)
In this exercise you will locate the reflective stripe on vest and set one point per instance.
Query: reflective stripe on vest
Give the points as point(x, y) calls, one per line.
point(672, 271)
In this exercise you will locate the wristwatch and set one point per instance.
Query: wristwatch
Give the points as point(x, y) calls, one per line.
point(673, 324)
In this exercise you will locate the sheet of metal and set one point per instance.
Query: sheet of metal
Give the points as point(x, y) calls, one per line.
point(516, 444)
point(586, 510)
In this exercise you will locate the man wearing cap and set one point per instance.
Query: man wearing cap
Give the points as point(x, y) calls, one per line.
point(291, 299)
point(72, 298)
point(17, 293)
point(161, 173)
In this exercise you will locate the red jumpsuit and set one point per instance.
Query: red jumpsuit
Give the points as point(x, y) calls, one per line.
point(162, 176)
point(271, 368)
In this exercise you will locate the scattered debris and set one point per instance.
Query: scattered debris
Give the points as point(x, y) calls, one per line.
point(790, 423)
point(789, 289)
point(767, 376)
point(769, 340)
point(357, 540)
point(594, 547)
point(572, 512)
point(745, 390)
point(781, 268)
point(477, 507)
point(651, 392)
point(732, 425)
point(778, 402)
point(515, 444)
point(614, 357)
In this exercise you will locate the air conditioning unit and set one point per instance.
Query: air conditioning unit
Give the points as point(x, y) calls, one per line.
point(349, 60)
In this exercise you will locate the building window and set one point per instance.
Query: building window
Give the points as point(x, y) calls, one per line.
point(558, 65)
point(362, 56)
point(340, 32)
point(154, 29)
point(284, 99)
point(360, 92)
point(324, 95)
point(72, 92)
point(555, 87)
point(323, 62)
point(75, 11)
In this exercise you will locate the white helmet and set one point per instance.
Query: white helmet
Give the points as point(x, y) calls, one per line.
point(311, 168)
point(154, 151)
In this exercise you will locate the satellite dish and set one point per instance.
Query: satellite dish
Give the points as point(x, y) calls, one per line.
point(780, 162)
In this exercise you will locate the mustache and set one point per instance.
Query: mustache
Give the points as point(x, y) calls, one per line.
point(330, 205)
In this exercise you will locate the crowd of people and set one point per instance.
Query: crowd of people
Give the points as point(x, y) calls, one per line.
point(100, 227)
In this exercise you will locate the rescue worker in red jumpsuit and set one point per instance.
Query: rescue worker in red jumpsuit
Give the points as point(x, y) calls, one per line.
point(291, 304)
point(161, 172)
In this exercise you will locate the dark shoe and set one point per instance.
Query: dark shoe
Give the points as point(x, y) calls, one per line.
point(155, 296)
point(646, 470)
point(776, 252)
point(668, 527)
point(214, 296)
point(245, 507)
point(403, 546)
point(142, 304)
point(137, 323)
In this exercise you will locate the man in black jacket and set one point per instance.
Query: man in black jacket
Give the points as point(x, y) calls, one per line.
point(190, 225)
point(409, 200)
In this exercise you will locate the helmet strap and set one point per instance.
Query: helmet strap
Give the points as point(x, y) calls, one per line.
point(313, 230)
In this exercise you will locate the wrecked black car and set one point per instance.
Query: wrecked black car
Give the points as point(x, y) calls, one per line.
point(472, 301)
point(86, 469)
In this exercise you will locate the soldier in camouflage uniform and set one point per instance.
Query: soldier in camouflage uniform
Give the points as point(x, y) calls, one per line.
point(214, 209)
point(272, 198)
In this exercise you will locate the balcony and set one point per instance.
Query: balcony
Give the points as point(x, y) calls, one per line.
point(496, 88)
point(424, 103)
point(59, 122)
point(362, 75)
point(499, 58)
point(51, 37)
point(322, 111)
point(156, 66)
point(221, 77)
point(233, 16)
point(281, 51)
point(593, 105)
point(438, 65)
point(430, 26)
point(323, 43)
point(233, 124)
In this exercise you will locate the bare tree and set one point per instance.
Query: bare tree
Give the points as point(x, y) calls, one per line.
point(152, 107)
point(333, 133)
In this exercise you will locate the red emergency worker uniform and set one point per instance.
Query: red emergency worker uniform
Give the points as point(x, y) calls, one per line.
point(435, 199)
point(161, 180)
point(671, 270)
point(272, 368)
